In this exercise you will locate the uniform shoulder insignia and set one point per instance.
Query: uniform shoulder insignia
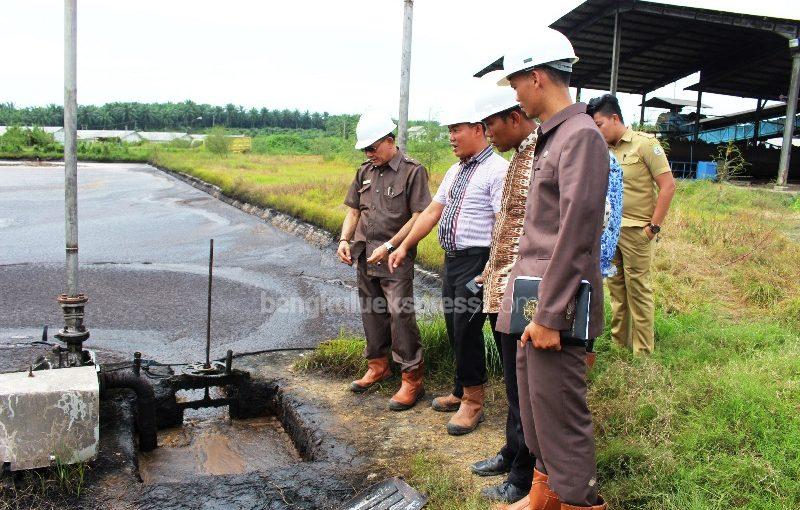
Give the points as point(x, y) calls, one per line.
point(646, 135)
point(657, 150)
point(411, 160)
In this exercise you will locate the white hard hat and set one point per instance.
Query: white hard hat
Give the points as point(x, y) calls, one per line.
point(547, 47)
point(460, 112)
point(372, 126)
point(495, 100)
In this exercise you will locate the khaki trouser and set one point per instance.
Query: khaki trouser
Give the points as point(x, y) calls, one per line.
point(631, 293)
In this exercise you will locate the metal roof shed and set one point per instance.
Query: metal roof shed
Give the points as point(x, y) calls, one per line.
point(637, 46)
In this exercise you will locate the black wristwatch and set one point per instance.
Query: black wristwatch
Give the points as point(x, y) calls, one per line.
point(389, 247)
point(655, 229)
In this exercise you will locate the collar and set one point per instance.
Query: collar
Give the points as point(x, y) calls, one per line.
point(554, 121)
point(627, 136)
point(393, 163)
point(479, 157)
point(531, 139)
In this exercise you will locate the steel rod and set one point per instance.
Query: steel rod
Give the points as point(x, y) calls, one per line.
point(405, 75)
point(208, 315)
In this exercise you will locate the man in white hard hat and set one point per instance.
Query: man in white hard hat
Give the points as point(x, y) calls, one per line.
point(385, 199)
point(561, 242)
point(508, 128)
point(465, 206)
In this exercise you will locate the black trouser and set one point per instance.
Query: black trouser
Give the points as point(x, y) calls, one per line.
point(515, 449)
point(464, 317)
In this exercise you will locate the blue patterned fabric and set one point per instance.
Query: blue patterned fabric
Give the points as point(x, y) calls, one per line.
point(613, 219)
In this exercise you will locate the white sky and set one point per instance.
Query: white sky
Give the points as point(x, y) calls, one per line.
point(320, 55)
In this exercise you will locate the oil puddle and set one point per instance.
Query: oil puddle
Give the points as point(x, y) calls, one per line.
point(217, 445)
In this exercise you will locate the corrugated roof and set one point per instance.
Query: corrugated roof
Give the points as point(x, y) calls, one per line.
point(737, 54)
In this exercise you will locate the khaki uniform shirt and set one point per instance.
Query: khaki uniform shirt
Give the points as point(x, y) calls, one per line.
point(509, 225)
point(642, 159)
point(386, 196)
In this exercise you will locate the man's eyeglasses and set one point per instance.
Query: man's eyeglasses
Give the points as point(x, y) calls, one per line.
point(374, 146)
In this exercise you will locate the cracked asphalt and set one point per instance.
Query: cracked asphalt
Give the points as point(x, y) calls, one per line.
point(143, 240)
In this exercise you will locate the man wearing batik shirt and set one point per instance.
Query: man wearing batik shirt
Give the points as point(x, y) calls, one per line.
point(467, 203)
point(508, 128)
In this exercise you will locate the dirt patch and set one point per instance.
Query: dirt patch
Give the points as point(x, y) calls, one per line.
point(389, 439)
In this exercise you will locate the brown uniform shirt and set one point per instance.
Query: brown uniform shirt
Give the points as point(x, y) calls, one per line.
point(387, 196)
point(563, 220)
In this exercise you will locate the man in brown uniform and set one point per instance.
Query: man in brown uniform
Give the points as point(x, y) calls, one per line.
point(386, 196)
point(645, 168)
point(560, 244)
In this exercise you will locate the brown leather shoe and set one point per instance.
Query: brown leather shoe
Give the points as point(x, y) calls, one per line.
point(542, 496)
point(446, 404)
point(377, 370)
point(470, 412)
point(411, 390)
point(591, 357)
point(601, 505)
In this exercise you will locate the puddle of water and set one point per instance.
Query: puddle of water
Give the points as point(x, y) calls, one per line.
point(217, 445)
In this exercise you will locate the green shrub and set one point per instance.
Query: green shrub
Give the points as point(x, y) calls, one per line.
point(217, 143)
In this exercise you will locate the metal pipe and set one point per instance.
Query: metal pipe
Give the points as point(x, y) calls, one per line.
point(208, 314)
point(578, 95)
point(791, 111)
point(615, 52)
point(70, 143)
point(145, 404)
point(405, 76)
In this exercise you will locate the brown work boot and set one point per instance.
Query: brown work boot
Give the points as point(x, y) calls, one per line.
point(410, 390)
point(377, 370)
point(446, 404)
point(522, 504)
point(470, 412)
point(542, 496)
point(591, 357)
point(601, 505)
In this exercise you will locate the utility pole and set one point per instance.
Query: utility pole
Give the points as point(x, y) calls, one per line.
point(405, 75)
point(72, 303)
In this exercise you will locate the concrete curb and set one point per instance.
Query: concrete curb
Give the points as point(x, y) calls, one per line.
point(312, 234)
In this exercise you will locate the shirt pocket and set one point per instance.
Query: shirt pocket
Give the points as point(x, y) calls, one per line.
point(396, 200)
point(630, 161)
point(542, 171)
point(364, 196)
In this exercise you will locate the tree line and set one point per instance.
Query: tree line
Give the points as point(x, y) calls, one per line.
point(185, 116)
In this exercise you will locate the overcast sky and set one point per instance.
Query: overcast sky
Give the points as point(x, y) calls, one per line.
point(318, 55)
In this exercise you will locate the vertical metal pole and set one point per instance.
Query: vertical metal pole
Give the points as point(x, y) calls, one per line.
point(697, 110)
point(757, 123)
point(70, 144)
point(72, 304)
point(615, 53)
point(208, 314)
point(641, 112)
point(791, 111)
point(578, 95)
point(405, 75)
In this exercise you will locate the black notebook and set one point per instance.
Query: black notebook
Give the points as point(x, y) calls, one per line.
point(526, 298)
